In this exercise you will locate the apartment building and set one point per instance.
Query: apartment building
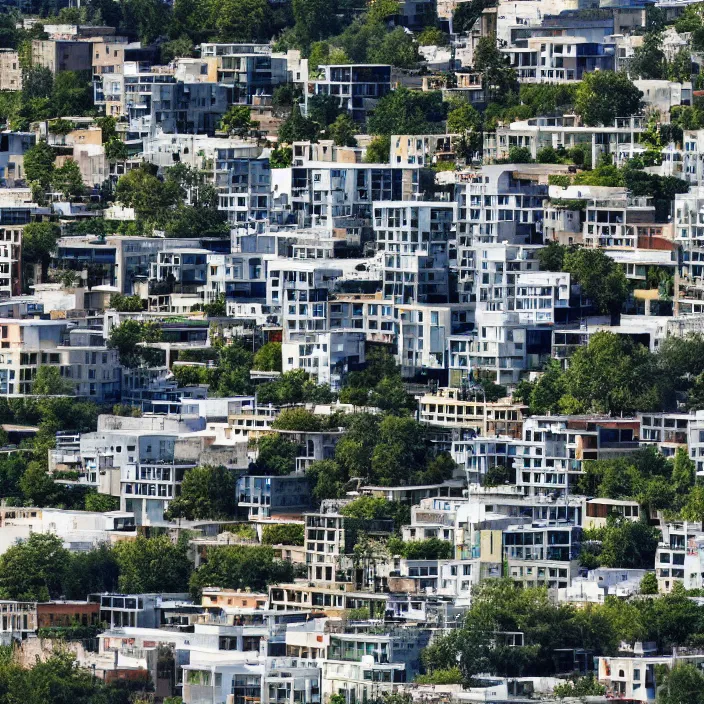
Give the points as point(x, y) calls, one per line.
point(558, 59)
point(62, 55)
point(542, 554)
point(462, 409)
point(620, 141)
point(416, 239)
point(148, 456)
point(261, 497)
point(10, 71)
point(549, 457)
point(357, 86)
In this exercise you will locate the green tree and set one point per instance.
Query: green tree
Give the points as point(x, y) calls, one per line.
point(404, 111)
point(127, 339)
point(464, 118)
point(343, 130)
point(49, 382)
point(602, 96)
point(283, 534)
point(297, 128)
point(240, 567)
point(379, 150)
point(498, 77)
point(649, 61)
point(268, 357)
point(396, 48)
point(315, 19)
point(67, 180)
point(176, 48)
point(151, 198)
point(613, 374)
point(237, 120)
point(297, 419)
point(39, 164)
point(519, 155)
point(33, 570)
point(102, 503)
point(152, 565)
point(276, 455)
point(601, 280)
point(207, 493)
point(581, 687)
point(71, 94)
point(126, 304)
point(649, 584)
point(242, 19)
point(683, 684)
point(328, 480)
point(400, 451)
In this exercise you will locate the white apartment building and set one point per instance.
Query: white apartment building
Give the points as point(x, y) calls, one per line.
point(416, 239)
point(621, 140)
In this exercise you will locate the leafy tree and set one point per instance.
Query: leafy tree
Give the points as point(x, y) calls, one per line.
point(207, 492)
point(38, 242)
point(626, 544)
point(519, 155)
point(429, 549)
point(379, 150)
point(297, 128)
point(649, 62)
point(297, 419)
point(151, 198)
point(39, 164)
point(683, 684)
point(268, 357)
point(152, 565)
point(91, 572)
point(343, 130)
point(328, 479)
point(602, 96)
point(242, 19)
point(467, 13)
point(102, 503)
point(498, 475)
point(649, 584)
point(396, 48)
point(452, 675)
point(126, 304)
point(127, 339)
point(176, 48)
point(498, 77)
point(71, 94)
point(281, 157)
point(144, 19)
point(283, 534)
point(49, 382)
point(276, 455)
point(601, 280)
point(683, 472)
point(432, 36)
point(464, 118)
point(33, 570)
point(399, 452)
point(581, 687)
point(324, 109)
point(680, 68)
point(237, 120)
point(404, 111)
point(612, 373)
point(314, 19)
point(240, 567)
point(67, 180)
